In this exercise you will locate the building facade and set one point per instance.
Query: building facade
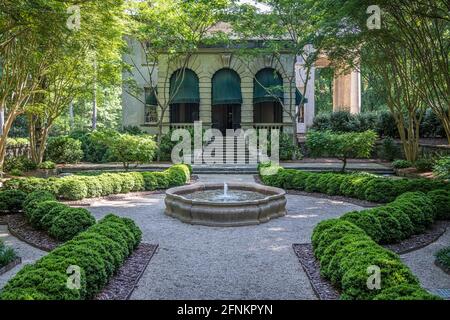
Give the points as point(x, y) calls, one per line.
point(226, 91)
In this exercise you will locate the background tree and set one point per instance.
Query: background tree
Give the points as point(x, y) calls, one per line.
point(172, 30)
point(29, 33)
point(350, 42)
point(299, 38)
point(76, 70)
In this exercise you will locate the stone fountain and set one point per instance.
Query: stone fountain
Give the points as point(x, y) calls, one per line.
point(225, 205)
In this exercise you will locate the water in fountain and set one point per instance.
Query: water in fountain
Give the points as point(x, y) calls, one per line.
point(225, 190)
point(225, 195)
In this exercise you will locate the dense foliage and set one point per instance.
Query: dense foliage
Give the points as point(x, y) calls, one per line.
point(130, 149)
point(12, 200)
point(99, 252)
point(78, 187)
point(64, 150)
point(362, 186)
point(382, 122)
point(442, 168)
point(59, 220)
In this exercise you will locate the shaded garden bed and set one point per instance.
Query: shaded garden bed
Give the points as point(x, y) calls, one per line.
point(321, 287)
point(19, 227)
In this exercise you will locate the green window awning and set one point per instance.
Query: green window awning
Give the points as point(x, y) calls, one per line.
point(226, 88)
point(298, 98)
point(268, 86)
point(184, 87)
point(150, 96)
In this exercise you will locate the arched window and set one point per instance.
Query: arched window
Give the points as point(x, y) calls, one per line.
point(184, 97)
point(268, 94)
point(226, 100)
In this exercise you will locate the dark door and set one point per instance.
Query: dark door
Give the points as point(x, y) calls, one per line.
point(226, 116)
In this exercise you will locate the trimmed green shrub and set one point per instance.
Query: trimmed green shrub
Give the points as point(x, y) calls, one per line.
point(334, 185)
point(12, 200)
point(380, 190)
point(47, 220)
point(21, 163)
point(392, 230)
point(33, 282)
point(421, 201)
point(47, 165)
point(340, 229)
point(406, 224)
point(441, 200)
point(405, 292)
point(72, 189)
point(42, 208)
point(312, 182)
point(401, 164)
point(424, 164)
point(320, 228)
point(70, 222)
point(366, 220)
point(332, 250)
point(99, 252)
point(64, 150)
point(345, 252)
point(393, 273)
point(33, 199)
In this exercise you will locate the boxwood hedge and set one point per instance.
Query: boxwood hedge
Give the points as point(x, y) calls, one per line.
point(356, 185)
point(98, 252)
point(59, 220)
point(80, 187)
point(348, 247)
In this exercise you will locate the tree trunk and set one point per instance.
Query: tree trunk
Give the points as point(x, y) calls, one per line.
point(344, 166)
point(294, 135)
point(94, 108)
point(71, 116)
point(2, 120)
point(160, 129)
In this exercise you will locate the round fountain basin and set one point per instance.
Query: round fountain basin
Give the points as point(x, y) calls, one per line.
point(244, 204)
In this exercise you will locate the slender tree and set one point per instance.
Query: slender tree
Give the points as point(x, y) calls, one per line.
point(169, 31)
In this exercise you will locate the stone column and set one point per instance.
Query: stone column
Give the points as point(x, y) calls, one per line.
point(347, 91)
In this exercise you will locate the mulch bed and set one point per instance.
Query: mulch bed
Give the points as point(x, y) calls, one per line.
point(123, 283)
point(19, 227)
point(420, 241)
point(321, 287)
point(10, 265)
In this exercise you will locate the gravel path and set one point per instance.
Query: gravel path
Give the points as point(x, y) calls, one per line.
point(422, 264)
point(28, 253)
point(197, 262)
